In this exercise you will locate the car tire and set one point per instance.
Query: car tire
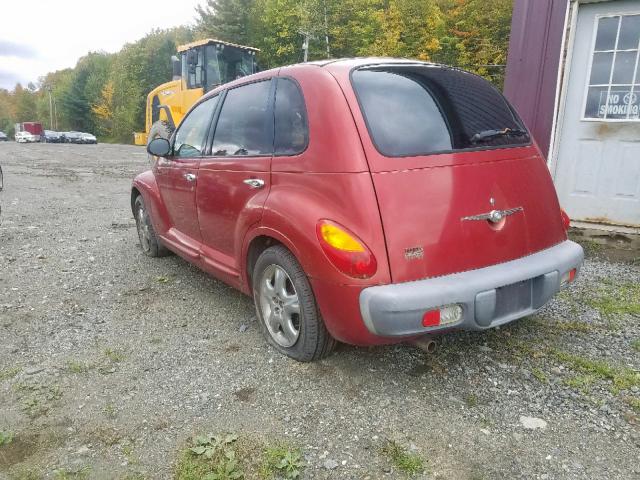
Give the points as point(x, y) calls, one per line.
point(149, 241)
point(286, 308)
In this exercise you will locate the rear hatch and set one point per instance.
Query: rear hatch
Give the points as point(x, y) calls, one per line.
point(459, 184)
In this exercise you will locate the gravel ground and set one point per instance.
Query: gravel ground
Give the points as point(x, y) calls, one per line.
point(110, 362)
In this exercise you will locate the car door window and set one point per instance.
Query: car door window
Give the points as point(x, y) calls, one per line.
point(191, 137)
point(245, 126)
point(292, 131)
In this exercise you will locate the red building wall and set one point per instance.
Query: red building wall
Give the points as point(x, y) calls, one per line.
point(535, 47)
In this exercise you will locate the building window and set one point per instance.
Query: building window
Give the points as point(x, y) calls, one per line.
point(613, 92)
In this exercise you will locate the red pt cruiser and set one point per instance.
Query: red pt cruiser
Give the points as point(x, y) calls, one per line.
point(366, 201)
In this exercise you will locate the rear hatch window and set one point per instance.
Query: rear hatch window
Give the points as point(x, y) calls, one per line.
point(413, 110)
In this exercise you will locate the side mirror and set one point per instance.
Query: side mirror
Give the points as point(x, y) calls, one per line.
point(160, 147)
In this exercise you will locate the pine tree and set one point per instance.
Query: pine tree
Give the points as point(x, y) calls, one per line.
point(227, 20)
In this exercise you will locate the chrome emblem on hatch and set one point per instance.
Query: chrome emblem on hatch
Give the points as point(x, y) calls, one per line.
point(494, 216)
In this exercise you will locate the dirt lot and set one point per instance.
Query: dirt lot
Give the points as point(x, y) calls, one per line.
point(111, 362)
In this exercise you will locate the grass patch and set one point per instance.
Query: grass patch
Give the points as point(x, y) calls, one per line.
point(580, 382)
point(114, 356)
point(9, 373)
point(634, 403)
point(75, 366)
point(281, 461)
point(6, 438)
point(622, 378)
point(540, 375)
point(81, 474)
point(405, 461)
point(636, 344)
point(616, 299)
point(471, 400)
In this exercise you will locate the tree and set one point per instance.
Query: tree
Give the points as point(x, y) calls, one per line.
point(227, 20)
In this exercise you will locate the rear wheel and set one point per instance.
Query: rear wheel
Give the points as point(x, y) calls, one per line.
point(287, 311)
point(149, 241)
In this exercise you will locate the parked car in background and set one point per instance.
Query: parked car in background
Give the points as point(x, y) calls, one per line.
point(50, 136)
point(3, 137)
point(73, 137)
point(26, 137)
point(367, 201)
point(89, 138)
point(34, 128)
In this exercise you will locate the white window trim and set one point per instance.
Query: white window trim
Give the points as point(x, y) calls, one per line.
point(594, 35)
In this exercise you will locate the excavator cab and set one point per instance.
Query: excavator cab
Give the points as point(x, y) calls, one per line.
point(198, 68)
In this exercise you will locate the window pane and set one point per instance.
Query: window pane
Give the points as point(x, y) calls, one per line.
point(192, 134)
point(402, 116)
point(619, 102)
point(417, 110)
point(596, 102)
point(245, 126)
point(601, 68)
point(623, 69)
point(292, 133)
point(607, 31)
point(629, 32)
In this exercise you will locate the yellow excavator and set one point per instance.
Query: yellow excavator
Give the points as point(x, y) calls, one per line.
point(199, 67)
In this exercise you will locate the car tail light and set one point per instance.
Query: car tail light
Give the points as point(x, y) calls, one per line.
point(566, 221)
point(568, 277)
point(345, 251)
point(442, 316)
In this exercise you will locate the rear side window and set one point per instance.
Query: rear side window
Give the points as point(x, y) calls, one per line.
point(418, 110)
point(245, 126)
point(292, 130)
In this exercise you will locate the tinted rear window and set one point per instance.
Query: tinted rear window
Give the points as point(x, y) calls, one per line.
point(418, 110)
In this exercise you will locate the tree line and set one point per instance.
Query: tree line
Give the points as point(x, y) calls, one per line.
point(105, 93)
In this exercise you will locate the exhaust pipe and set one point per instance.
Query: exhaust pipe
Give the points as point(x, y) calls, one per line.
point(427, 344)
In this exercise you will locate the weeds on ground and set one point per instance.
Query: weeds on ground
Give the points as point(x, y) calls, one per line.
point(37, 398)
point(6, 438)
point(281, 461)
point(62, 474)
point(212, 457)
point(634, 403)
point(615, 299)
point(405, 461)
point(622, 378)
point(75, 366)
point(9, 373)
point(539, 375)
point(114, 356)
point(636, 344)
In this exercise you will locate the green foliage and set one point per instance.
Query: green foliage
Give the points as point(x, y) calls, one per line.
point(281, 461)
point(403, 460)
point(106, 93)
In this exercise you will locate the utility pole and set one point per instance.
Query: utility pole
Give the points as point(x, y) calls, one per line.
point(305, 45)
point(326, 29)
point(48, 88)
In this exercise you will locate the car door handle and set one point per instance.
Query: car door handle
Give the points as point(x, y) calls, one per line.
point(189, 177)
point(254, 182)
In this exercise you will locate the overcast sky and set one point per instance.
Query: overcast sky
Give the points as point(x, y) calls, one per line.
point(40, 36)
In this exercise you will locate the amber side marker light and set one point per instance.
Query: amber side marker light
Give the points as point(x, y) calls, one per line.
point(566, 221)
point(345, 251)
point(568, 277)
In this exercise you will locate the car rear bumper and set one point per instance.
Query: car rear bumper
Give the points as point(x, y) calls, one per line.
point(489, 296)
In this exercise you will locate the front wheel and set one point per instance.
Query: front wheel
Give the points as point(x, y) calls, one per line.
point(286, 307)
